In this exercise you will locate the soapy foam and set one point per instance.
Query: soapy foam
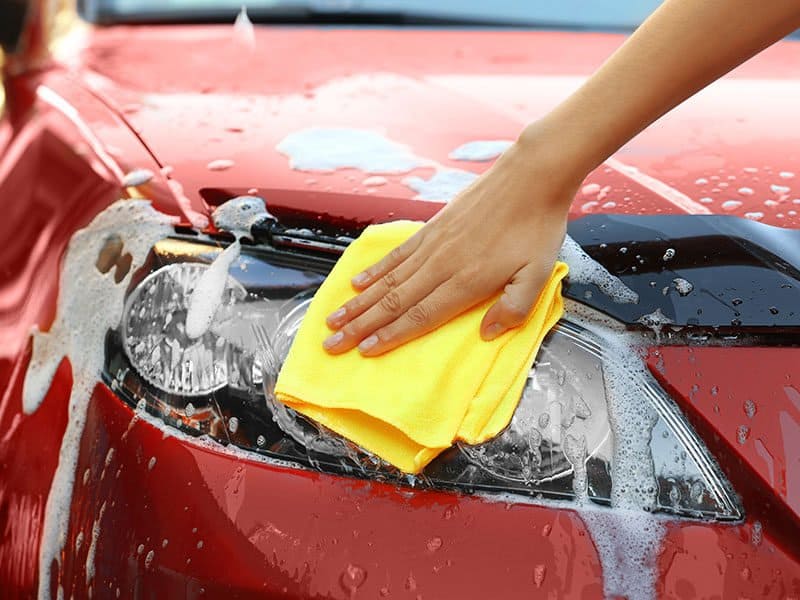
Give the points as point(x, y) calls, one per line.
point(444, 184)
point(238, 215)
point(137, 177)
point(328, 149)
point(243, 30)
point(628, 537)
point(584, 269)
point(207, 294)
point(90, 555)
point(627, 543)
point(480, 150)
point(90, 303)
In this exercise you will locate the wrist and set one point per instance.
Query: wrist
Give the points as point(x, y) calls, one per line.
point(557, 147)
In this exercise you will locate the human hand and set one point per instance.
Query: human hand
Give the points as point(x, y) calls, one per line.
point(502, 233)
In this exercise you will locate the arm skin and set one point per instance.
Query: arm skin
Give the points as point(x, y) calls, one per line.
point(505, 230)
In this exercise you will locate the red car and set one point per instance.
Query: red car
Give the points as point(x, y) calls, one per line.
point(656, 449)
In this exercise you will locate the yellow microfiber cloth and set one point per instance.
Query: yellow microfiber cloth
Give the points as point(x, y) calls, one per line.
point(410, 404)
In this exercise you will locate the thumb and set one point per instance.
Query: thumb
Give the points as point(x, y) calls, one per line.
point(513, 307)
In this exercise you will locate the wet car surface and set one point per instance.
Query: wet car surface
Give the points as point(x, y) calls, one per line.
point(157, 510)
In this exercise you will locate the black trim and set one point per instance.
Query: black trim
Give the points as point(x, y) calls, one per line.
point(745, 274)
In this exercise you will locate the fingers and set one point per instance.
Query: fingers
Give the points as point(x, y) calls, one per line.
point(442, 304)
point(391, 261)
point(513, 307)
point(386, 285)
point(380, 305)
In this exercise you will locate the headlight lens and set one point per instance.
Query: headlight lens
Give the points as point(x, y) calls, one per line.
point(567, 440)
point(154, 334)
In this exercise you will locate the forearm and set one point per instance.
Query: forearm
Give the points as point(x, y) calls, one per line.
point(681, 48)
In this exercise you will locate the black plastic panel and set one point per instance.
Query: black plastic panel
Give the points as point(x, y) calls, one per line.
point(744, 275)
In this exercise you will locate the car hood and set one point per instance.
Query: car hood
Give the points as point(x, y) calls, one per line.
point(214, 105)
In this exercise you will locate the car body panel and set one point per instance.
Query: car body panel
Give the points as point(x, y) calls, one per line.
point(151, 97)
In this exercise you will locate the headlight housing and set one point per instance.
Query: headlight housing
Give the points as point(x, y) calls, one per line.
point(576, 436)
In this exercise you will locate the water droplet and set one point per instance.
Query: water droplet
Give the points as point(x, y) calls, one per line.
point(590, 189)
point(773, 310)
point(151, 463)
point(749, 408)
point(539, 571)
point(546, 529)
point(221, 164)
point(261, 441)
point(149, 558)
point(352, 578)
point(140, 549)
point(746, 191)
point(200, 545)
point(411, 583)
point(756, 534)
point(745, 573)
point(731, 205)
point(233, 424)
point(189, 409)
point(683, 286)
point(669, 254)
point(696, 491)
point(434, 544)
point(742, 433)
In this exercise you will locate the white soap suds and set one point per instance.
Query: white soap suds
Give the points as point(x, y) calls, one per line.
point(90, 303)
point(328, 149)
point(731, 205)
point(584, 269)
point(238, 215)
point(444, 184)
point(90, 555)
point(683, 286)
point(480, 150)
point(221, 164)
point(207, 294)
point(243, 30)
point(374, 181)
point(137, 177)
point(628, 537)
point(655, 320)
point(628, 543)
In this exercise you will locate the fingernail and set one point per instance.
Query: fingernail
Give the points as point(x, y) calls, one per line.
point(333, 340)
point(360, 279)
point(493, 330)
point(335, 316)
point(368, 343)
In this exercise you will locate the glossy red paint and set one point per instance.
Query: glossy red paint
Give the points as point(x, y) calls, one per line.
point(152, 97)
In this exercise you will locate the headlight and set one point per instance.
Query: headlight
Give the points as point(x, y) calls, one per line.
point(592, 425)
point(155, 340)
